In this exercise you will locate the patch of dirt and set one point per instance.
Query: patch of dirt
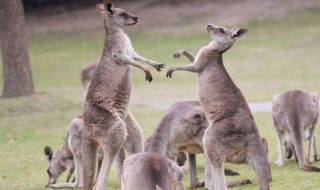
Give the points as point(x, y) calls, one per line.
point(168, 18)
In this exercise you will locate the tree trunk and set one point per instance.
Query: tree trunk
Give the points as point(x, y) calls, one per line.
point(15, 58)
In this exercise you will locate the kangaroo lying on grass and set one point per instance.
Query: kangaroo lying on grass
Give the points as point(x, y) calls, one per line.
point(150, 171)
point(69, 156)
point(295, 116)
point(107, 101)
point(232, 127)
point(182, 129)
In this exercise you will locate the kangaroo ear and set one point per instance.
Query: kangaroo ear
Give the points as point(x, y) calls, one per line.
point(48, 152)
point(238, 32)
point(109, 7)
point(100, 9)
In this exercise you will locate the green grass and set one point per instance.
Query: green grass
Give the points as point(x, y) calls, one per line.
point(277, 55)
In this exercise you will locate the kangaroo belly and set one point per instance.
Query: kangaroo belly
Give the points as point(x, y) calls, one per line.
point(191, 149)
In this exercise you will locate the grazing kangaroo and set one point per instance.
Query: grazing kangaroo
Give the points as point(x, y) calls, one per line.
point(87, 74)
point(60, 162)
point(72, 152)
point(107, 101)
point(232, 127)
point(182, 129)
point(150, 171)
point(295, 116)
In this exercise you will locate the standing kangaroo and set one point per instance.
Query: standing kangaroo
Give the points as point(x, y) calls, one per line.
point(295, 116)
point(232, 126)
point(107, 100)
point(70, 155)
point(182, 129)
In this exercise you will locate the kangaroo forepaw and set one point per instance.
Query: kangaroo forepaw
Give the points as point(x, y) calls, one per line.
point(159, 66)
point(169, 73)
point(178, 54)
point(148, 76)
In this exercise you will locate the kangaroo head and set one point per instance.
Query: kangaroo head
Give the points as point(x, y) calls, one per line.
point(224, 37)
point(54, 167)
point(115, 17)
point(194, 124)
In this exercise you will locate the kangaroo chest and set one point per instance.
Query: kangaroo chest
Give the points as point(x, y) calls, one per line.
point(218, 95)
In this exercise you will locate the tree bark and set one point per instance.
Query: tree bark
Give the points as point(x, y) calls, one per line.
point(15, 58)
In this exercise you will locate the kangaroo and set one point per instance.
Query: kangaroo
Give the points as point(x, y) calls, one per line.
point(295, 116)
point(107, 100)
point(182, 130)
point(150, 171)
point(87, 74)
point(232, 127)
point(60, 162)
point(72, 148)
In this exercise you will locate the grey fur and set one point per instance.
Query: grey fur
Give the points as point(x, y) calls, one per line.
point(232, 126)
point(60, 162)
point(72, 149)
point(107, 100)
point(181, 130)
point(295, 115)
point(150, 171)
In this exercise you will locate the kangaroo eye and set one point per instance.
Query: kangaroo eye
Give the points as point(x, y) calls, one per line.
point(123, 14)
point(221, 30)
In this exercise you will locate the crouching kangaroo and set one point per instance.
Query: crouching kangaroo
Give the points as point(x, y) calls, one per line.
point(70, 155)
point(151, 171)
point(295, 116)
point(182, 129)
point(107, 101)
point(232, 127)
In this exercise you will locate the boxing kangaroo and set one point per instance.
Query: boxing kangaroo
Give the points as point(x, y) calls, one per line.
point(295, 116)
point(231, 125)
point(107, 100)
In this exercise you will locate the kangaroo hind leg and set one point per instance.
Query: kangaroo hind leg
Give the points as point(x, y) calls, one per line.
point(111, 142)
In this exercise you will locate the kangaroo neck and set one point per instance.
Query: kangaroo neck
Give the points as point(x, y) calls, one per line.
point(158, 144)
point(113, 30)
point(217, 71)
point(218, 94)
point(66, 151)
point(114, 36)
